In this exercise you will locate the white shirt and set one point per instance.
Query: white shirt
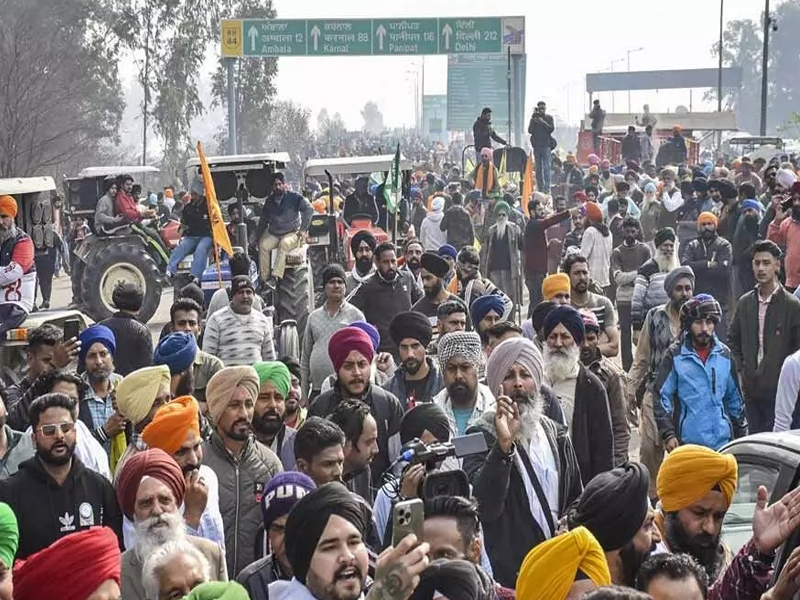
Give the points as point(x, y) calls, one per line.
point(788, 387)
point(544, 465)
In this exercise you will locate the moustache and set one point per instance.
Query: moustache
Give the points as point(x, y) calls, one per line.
point(340, 573)
point(244, 422)
point(271, 414)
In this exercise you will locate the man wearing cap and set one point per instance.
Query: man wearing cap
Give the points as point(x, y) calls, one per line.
point(581, 394)
point(351, 352)
point(418, 378)
point(615, 507)
point(577, 267)
point(662, 327)
point(177, 351)
point(463, 398)
point(134, 342)
point(237, 334)
point(96, 360)
point(175, 429)
point(196, 232)
point(434, 272)
point(283, 225)
point(17, 268)
point(649, 289)
point(696, 487)
point(321, 324)
point(709, 256)
point(503, 245)
point(530, 474)
point(150, 489)
point(279, 497)
point(613, 381)
point(242, 464)
point(268, 416)
point(362, 246)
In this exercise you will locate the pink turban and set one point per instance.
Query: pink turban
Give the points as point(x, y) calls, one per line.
point(344, 341)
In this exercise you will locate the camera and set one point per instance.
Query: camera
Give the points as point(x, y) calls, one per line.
point(443, 483)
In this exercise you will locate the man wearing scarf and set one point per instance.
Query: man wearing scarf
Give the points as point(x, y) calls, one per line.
point(530, 475)
point(503, 246)
point(268, 417)
point(351, 352)
point(362, 246)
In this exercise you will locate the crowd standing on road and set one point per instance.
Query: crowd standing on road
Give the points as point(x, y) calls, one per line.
point(208, 466)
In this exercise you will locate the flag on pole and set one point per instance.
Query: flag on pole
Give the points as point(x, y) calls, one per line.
point(527, 185)
point(393, 186)
point(218, 232)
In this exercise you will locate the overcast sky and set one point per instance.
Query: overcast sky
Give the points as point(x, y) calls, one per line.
point(564, 40)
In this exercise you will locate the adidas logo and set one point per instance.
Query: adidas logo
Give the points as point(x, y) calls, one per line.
point(67, 522)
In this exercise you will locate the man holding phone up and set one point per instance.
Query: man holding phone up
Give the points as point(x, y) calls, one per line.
point(785, 231)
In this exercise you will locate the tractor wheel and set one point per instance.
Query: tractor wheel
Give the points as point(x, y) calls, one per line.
point(288, 340)
point(120, 262)
point(294, 296)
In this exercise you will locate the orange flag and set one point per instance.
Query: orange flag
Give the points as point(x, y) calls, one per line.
point(527, 185)
point(218, 232)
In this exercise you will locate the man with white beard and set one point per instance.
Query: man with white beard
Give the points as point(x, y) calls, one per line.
point(503, 245)
point(648, 289)
point(150, 488)
point(529, 476)
point(581, 394)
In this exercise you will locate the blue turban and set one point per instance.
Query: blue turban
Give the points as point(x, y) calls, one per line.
point(177, 351)
point(482, 305)
point(448, 250)
point(569, 318)
point(754, 204)
point(370, 330)
point(92, 335)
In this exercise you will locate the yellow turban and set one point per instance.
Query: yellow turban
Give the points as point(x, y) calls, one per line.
point(549, 570)
point(223, 384)
point(171, 423)
point(555, 284)
point(137, 391)
point(689, 472)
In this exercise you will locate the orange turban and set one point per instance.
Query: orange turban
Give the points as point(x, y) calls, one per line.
point(8, 206)
point(593, 212)
point(689, 472)
point(172, 423)
point(705, 217)
point(554, 284)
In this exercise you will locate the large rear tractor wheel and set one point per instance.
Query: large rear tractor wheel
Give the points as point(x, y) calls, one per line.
point(120, 262)
point(294, 296)
point(288, 340)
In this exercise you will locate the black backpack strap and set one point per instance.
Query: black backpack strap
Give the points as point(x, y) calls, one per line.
point(537, 487)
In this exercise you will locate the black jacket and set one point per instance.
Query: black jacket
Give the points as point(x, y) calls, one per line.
point(509, 529)
point(631, 149)
point(195, 219)
point(385, 409)
point(360, 205)
point(541, 130)
point(380, 300)
point(134, 343)
point(457, 222)
point(484, 133)
point(592, 435)
point(257, 576)
point(47, 511)
point(710, 280)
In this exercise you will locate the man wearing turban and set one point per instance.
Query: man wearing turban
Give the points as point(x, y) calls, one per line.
point(696, 486)
point(503, 246)
point(582, 395)
point(709, 255)
point(175, 429)
point(333, 514)
point(351, 352)
point(434, 273)
point(556, 288)
point(362, 248)
point(578, 268)
point(81, 565)
point(521, 440)
point(615, 507)
point(565, 567)
point(18, 279)
point(418, 379)
point(178, 351)
point(463, 398)
point(150, 490)
point(243, 465)
point(268, 416)
point(486, 311)
point(650, 288)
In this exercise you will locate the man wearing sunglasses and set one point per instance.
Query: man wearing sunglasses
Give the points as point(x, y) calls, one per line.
point(53, 494)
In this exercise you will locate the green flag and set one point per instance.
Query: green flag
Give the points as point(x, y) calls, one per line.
point(393, 186)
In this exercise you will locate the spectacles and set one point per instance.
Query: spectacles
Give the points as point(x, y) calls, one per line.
point(50, 429)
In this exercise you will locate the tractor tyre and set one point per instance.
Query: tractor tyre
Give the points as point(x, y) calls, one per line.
point(294, 296)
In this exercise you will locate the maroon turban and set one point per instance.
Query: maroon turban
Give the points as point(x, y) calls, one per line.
point(344, 341)
point(154, 463)
point(71, 568)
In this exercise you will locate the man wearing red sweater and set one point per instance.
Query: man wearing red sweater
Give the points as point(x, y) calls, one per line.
point(535, 248)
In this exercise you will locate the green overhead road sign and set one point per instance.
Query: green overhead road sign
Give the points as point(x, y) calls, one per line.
point(364, 37)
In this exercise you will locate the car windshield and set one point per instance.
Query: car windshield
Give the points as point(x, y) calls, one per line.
point(738, 525)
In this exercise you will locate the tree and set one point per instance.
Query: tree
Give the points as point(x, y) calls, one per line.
point(60, 96)
point(255, 89)
point(373, 119)
point(331, 133)
point(290, 131)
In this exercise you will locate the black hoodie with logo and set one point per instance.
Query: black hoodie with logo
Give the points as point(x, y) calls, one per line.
point(47, 511)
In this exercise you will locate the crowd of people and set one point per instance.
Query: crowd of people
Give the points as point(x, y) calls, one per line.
point(542, 330)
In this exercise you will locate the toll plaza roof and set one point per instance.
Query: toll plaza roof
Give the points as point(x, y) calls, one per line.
point(352, 165)
point(281, 159)
point(116, 170)
point(26, 185)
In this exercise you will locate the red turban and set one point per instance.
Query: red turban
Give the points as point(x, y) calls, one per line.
point(71, 568)
point(593, 212)
point(154, 463)
point(171, 423)
point(344, 341)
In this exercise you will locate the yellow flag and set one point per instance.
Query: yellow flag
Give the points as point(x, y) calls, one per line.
point(218, 232)
point(527, 185)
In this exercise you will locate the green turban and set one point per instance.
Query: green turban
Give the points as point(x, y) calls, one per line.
point(502, 206)
point(9, 535)
point(277, 373)
point(218, 590)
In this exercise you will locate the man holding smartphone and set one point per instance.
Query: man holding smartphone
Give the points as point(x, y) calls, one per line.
point(541, 128)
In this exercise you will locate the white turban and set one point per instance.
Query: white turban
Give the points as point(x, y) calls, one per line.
point(514, 351)
point(785, 178)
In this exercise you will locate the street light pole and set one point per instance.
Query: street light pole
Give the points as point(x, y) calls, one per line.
point(613, 62)
point(629, 70)
point(719, 69)
point(764, 67)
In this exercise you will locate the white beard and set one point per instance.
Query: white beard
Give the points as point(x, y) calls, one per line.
point(501, 226)
point(560, 365)
point(666, 263)
point(149, 538)
point(529, 417)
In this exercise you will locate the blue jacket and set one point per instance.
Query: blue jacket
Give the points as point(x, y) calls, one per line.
point(292, 214)
point(700, 403)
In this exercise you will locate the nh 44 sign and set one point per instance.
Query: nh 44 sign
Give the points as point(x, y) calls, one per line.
point(366, 37)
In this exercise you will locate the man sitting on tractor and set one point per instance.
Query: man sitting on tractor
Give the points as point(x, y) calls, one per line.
point(285, 217)
point(17, 269)
point(196, 230)
point(134, 214)
point(360, 202)
point(105, 217)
